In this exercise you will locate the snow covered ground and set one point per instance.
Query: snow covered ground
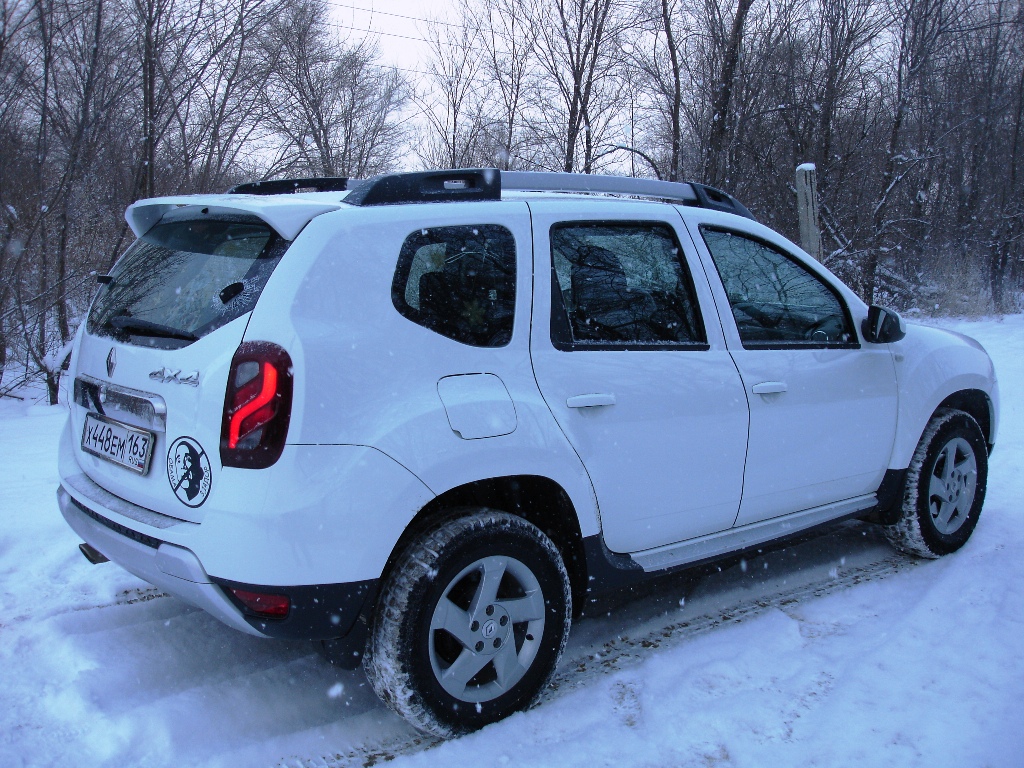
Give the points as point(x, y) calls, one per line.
point(832, 652)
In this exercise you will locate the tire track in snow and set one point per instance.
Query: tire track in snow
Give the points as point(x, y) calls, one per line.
point(626, 651)
point(365, 756)
point(579, 669)
point(124, 597)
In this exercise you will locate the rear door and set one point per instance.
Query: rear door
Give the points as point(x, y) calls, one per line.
point(151, 369)
point(630, 358)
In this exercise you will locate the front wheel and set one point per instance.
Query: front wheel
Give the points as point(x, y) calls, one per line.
point(471, 623)
point(945, 487)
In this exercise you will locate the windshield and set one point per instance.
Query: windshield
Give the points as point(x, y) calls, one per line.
point(185, 278)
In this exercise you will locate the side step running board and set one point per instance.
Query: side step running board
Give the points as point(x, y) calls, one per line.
point(737, 539)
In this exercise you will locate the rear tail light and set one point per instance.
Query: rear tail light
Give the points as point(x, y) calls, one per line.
point(264, 605)
point(257, 406)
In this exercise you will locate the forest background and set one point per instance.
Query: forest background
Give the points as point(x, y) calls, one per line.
point(910, 109)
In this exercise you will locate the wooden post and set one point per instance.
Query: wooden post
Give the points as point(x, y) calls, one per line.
point(807, 209)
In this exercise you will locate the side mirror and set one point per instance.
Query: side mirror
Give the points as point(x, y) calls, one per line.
point(883, 326)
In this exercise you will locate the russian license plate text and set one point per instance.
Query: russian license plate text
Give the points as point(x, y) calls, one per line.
point(111, 440)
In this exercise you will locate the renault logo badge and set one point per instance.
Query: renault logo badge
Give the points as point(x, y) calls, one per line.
point(111, 363)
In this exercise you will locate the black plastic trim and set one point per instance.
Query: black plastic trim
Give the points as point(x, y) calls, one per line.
point(461, 185)
point(602, 346)
point(717, 200)
point(800, 345)
point(428, 187)
point(128, 533)
point(292, 186)
point(347, 652)
point(92, 554)
point(608, 570)
point(317, 611)
point(890, 498)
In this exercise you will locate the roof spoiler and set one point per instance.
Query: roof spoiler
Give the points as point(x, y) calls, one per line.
point(287, 217)
point(294, 186)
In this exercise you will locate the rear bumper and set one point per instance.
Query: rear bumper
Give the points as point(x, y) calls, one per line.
point(316, 612)
point(171, 568)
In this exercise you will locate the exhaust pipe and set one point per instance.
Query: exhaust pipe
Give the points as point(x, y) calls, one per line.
point(92, 554)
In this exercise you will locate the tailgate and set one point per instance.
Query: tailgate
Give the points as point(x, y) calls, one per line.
point(152, 365)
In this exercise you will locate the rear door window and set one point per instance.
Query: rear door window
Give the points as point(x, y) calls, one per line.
point(622, 284)
point(185, 278)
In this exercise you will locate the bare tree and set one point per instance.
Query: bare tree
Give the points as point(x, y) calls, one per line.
point(15, 19)
point(919, 27)
point(72, 160)
point(510, 40)
point(227, 112)
point(69, 93)
point(913, 111)
point(655, 75)
point(579, 52)
point(452, 101)
point(674, 92)
point(1008, 228)
point(332, 107)
point(842, 43)
point(720, 110)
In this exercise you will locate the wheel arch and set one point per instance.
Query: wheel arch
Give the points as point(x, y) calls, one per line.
point(535, 498)
point(937, 369)
point(979, 405)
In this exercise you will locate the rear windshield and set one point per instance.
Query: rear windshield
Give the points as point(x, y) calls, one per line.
point(185, 278)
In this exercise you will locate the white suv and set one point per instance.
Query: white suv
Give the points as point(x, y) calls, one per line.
point(423, 417)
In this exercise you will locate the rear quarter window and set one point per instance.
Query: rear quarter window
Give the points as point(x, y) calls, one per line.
point(459, 282)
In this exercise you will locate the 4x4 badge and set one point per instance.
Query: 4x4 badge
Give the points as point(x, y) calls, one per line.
point(170, 376)
point(111, 362)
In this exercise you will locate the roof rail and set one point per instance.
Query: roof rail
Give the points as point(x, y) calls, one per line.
point(687, 193)
point(533, 181)
point(292, 186)
point(429, 187)
point(464, 184)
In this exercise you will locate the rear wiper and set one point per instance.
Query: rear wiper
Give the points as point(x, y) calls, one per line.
point(139, 327)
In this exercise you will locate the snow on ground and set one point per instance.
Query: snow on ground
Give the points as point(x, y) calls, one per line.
point(831, 652)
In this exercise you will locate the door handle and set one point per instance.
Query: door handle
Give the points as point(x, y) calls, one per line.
point(590, 401)
point(769, 388)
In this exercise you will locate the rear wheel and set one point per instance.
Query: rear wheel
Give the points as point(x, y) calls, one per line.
point(471, 623)
point(945, 487)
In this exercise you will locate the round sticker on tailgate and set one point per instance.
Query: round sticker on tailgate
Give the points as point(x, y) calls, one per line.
point(188, 470)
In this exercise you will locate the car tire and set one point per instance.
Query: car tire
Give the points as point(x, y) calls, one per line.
point(470, 624)
point(945, 487)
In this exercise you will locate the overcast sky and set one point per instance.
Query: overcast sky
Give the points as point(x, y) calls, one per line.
point(397, 25)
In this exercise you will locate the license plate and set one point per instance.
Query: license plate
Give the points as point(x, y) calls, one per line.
point(119, 443)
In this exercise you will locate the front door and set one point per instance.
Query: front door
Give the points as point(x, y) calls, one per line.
point(630, 358)
point(822, 404)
